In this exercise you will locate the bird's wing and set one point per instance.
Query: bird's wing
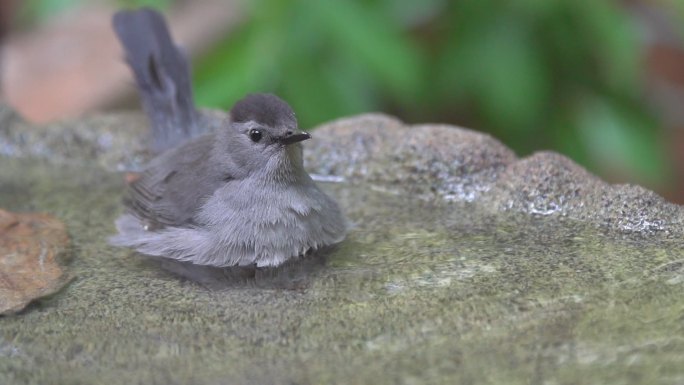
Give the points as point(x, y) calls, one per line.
point(173, 187)
point(147, 200)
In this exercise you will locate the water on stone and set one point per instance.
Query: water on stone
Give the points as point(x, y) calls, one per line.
point(420, 292)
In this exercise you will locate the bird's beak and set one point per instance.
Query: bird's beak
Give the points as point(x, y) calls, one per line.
point(294, 137)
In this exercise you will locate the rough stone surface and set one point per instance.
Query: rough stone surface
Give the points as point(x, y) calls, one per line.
point(459, 164)
point(117, 141)
point(548, 183)
point(114, 141)
point(426, 160)
point(421, 291)
point(501, 273)
point(29, 267)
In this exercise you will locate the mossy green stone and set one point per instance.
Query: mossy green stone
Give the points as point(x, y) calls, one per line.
point(420, 292)
point(464, 264)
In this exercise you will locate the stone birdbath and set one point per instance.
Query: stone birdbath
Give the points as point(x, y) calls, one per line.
point(464, 264)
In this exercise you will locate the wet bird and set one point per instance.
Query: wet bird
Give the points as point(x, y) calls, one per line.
point(232, 197)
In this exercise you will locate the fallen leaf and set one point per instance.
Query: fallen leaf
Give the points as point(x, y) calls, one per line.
point(29, 267)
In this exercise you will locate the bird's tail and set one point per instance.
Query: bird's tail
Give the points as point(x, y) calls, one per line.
point(162, 73)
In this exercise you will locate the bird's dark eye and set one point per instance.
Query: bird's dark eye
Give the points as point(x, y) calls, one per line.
point(255, 135)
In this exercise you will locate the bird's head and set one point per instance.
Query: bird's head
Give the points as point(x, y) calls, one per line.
point(262, 136)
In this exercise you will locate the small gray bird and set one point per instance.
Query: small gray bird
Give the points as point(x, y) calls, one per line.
point(237, 196)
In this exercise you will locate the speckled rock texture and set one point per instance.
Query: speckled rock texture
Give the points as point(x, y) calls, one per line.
point(452, 163)
point(429, 161)
point(547, 183)
point(426, 160)
point(117, 142)
point(463, 265)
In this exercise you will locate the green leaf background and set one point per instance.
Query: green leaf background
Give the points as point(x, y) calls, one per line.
point(538, 74)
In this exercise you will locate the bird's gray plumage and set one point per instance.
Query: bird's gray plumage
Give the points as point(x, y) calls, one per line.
point(162, 74)
point(266, 109)
point(237, 196)
point(169, 190)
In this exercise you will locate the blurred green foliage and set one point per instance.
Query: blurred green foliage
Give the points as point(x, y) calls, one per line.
point(31, 11)
point(537, 74)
